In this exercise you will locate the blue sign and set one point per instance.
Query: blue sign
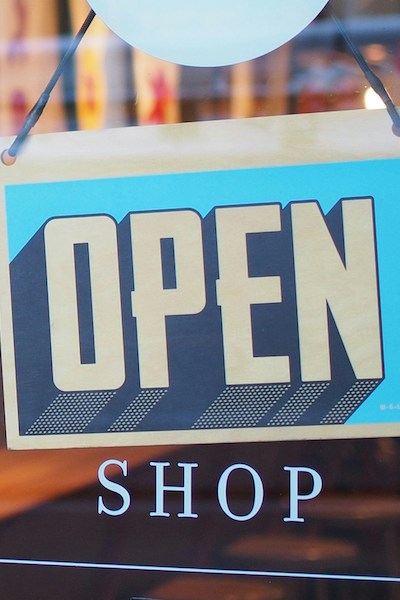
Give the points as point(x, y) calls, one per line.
point(249, 304)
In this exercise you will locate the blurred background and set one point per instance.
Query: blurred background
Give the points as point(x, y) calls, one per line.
point(111, 85)
point(48, 499)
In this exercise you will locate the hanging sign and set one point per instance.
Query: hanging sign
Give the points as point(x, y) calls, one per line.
point(207, 33)
point(196, 302)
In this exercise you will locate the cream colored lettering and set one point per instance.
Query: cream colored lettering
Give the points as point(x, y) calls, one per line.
point(151, 303)
point(324, 281)
point(99, 233)
point(350, 290)
point(237, 292)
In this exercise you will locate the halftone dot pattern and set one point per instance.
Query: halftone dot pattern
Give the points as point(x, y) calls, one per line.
point(241, 406)
point(70, 413)
point(350, 401)
point(138, 409)
point(297, 404)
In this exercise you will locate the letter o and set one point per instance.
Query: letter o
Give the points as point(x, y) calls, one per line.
point(258, 492)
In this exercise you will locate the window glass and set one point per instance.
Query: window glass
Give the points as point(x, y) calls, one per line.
point(244, 521)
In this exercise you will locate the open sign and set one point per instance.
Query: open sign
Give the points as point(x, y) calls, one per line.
point(232, 305)
point(322, 280)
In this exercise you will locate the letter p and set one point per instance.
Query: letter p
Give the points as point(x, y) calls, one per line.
point(295, 497)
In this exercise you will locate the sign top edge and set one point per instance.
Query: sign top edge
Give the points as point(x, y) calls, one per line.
point(255, 142)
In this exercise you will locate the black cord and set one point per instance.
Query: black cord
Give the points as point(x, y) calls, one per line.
point(376, 84)
point(9, 156)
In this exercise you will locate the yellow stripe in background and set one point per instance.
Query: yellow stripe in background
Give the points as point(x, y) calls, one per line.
point(157, 90)
point(91, 76)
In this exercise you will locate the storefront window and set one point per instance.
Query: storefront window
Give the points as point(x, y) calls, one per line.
point(250, 520)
